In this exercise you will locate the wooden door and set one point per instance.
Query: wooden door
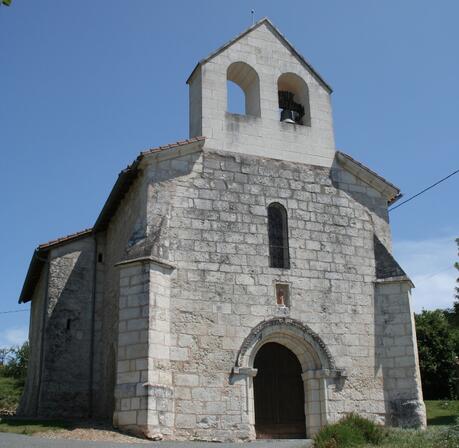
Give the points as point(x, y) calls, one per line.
point(279, 394)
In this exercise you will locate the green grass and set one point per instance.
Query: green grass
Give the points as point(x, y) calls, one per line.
point(433, 437)
point(10, 392)
point(28, 427)
point(442, 412)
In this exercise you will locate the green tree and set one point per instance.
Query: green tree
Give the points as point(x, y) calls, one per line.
point(456, 265)
point(4, 352)
point(452, 314)
point(6, 2)
point(437, 356)
point(18, 361)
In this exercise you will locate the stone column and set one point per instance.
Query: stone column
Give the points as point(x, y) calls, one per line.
point(144, 394)
point(398, 356)
point(314, 400)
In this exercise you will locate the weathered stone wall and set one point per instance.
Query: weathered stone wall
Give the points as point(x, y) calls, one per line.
point(374, 203)
point(397, 354)
point(126, 229)
point(144, 394)
point(169, 337)
point(29, 400)
point(65, 383)
point(264, 136)
point(224, 285)
point(139, 228)
point(101, 394)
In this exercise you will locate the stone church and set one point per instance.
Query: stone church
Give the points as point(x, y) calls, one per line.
point(236, 285)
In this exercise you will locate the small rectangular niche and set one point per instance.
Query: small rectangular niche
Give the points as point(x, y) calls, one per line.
point(282, 295)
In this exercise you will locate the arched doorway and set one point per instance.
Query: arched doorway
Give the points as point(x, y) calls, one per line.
point(279, 394)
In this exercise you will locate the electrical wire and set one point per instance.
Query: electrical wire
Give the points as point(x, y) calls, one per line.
point(423, 191)
point(14, 311)
point(423, 279)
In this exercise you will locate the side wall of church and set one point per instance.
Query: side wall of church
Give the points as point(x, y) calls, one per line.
point(29, 400)
point(65, 379)
point(121, 240)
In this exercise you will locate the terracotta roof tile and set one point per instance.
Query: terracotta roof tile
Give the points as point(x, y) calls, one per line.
point(172, 145)
point(65, 239)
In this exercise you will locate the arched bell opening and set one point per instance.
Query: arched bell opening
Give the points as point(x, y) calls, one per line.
point(278, 394)
point(246, 98)
point(293, 96)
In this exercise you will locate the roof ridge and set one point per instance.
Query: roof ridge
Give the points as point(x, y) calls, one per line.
point(62, 239)
point(172, 145)
point(302, 59)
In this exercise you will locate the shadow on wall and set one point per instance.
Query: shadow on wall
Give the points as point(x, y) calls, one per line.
point(66, 363)
point(149, 236)
point(358, 190)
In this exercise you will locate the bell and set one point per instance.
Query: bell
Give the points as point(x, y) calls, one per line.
point(289, 116)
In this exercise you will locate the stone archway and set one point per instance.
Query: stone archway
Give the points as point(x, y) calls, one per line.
point(318, 367)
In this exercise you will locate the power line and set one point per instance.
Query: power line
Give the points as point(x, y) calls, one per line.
point(425, 189)
point(423, 279)
point(14, 311)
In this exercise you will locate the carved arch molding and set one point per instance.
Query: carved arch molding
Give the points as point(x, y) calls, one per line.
point(285, 326)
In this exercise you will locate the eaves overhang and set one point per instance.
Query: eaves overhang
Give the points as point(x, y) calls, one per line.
point(365, 174)
point(40, 258)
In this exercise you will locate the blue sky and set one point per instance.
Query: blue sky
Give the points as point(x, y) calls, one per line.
point(85, 86)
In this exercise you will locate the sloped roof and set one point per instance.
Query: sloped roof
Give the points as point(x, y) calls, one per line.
point(39, 259)
point(386, 265)
point(65, 239)
point(122, 184)
point(127, 176)
point(280, 36)
point(369, 176)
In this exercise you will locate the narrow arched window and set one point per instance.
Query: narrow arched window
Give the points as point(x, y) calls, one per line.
point(278, 236)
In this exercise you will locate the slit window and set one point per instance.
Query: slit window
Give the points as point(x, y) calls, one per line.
point(278, 237)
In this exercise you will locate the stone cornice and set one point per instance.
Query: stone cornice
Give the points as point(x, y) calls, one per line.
point(148, 259)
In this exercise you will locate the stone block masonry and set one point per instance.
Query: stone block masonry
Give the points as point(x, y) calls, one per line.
point(223, 287)
point(144, 394)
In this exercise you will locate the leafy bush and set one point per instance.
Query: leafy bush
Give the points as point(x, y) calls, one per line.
point(351, 431)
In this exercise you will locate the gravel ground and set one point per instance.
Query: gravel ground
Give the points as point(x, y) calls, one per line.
point(94, 432)
point(18, 441)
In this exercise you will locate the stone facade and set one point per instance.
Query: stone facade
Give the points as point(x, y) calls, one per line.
point(171, 294)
